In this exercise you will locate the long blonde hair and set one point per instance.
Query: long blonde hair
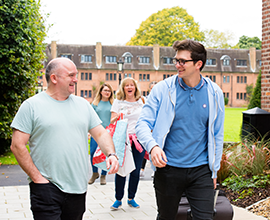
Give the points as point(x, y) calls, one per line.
point(99, 96)
point(120, 94)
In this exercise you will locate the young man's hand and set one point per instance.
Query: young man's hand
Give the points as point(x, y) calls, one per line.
point(158, 157)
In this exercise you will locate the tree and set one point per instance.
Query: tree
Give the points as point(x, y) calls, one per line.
point(22, 52)
point(248, 42)
point(216, 39)
point(249, 91)
point(165, 27)
point(255, 100)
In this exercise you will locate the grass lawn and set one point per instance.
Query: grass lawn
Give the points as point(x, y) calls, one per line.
point(232, 127)
point(233, 124)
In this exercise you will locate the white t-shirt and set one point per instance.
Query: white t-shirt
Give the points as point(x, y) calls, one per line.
point(59, 138)
point(131, 111)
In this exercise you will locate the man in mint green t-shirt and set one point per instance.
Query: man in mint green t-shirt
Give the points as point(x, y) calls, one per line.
point(56, 125)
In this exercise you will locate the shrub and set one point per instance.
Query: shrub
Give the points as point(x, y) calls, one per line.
point(255, 100)
point(251, 157)
point(22, 52)
point(226, 100)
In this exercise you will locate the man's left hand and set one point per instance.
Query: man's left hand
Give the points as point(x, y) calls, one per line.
point(112, 163)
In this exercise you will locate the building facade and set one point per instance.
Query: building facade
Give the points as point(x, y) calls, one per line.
point(231, 69)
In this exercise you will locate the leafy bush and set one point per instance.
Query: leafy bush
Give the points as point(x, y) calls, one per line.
point(226, 100)
point(22, 52)
point(255, 100)
point(236, 183)
point(250, 157)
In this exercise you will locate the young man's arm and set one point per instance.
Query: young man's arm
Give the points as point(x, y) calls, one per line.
point(104, 140)
point(18, 148)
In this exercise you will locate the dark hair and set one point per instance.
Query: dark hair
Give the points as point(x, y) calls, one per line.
point(198, 52)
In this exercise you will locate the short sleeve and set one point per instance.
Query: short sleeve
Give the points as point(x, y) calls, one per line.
point(115, 106)
point(23, 120)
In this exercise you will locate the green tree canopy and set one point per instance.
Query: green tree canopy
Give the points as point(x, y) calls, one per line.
point(248, 42)
point(216, 39)
point(165, 27)
point(22, 32)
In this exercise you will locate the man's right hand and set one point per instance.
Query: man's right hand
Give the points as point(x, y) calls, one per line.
point(158, 157)
point(41, 180)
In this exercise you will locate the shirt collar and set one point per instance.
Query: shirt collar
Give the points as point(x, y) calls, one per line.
point(184, 86)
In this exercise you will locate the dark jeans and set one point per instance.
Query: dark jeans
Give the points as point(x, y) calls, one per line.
point(170, 183)
point(134, 177)
point(93, 147)
point(50, 203)
point(143, 163)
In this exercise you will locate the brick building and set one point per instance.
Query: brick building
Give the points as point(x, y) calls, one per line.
point(231, 69)
point(265, 81)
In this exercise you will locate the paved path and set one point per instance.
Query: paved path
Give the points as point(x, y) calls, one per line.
point(14, 201)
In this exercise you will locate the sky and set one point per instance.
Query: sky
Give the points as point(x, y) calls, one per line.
point(114, 22)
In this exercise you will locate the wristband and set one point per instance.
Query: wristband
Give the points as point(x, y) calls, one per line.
point(113, 154)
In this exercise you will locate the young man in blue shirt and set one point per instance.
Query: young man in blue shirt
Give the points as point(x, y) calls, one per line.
point(186, 116)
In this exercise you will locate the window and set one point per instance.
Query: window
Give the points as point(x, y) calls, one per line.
point(226, 95)
point(241, 96)
point(140, 77)
point(144, 77)
point(168, 60)
point(81, 93)
point(210, 62)
point(226, 62)
point(128, 59)
point(226, 79)
point(241, 79)
point(144, 93)
point(89, 94)
point(241, 63)
point(86, 59)
point(148, 77)
point(260, 62)
point(213, 78)
point(109, 76)
point(66, 56)
point(90, 76)
point(82, 76)
point(144, 60)
point(110, 59)
point(86, 76)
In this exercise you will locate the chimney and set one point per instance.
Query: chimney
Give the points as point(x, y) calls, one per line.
point(53, 49)
point(156, 56)
point(98, 55)
point(252, 58)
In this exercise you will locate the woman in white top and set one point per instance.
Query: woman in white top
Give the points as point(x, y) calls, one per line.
point(129, 102)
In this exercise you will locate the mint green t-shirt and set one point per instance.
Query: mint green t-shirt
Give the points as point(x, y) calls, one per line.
point(59, 138)
point(103, 109)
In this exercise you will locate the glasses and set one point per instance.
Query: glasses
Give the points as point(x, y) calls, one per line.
point(181, 61)
point(106, 90)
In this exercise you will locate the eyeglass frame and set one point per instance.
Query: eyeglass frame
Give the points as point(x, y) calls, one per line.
point(181, 61)
point(106, 90)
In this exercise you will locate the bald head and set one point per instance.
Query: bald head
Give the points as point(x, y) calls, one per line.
point(55, 65)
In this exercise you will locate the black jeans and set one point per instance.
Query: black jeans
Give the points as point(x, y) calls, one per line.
point(170, 183)
point(48, 202)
